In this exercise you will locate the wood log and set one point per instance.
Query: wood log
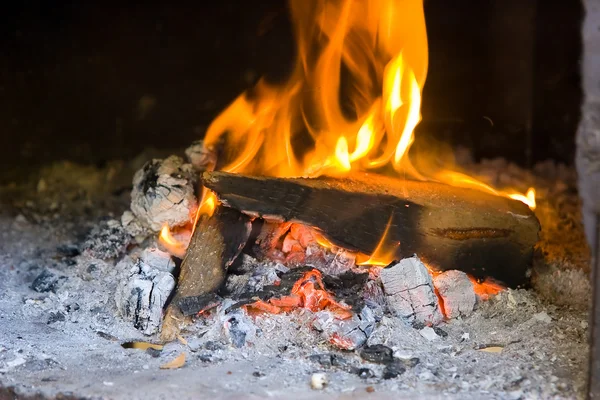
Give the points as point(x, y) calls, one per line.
point(216, 242)
point(447, 227)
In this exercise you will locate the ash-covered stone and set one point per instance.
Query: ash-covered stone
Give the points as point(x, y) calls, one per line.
point(348, 334)
point(457, 293)
point(164, 193)
point(142, 295)
point(108, 240)
point(409, 292)
point(47, 281)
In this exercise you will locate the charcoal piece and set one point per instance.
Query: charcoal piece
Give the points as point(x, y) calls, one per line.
point(192, 305)
point(440, 332)
point(142, 294)
point(449, 227)
point(409, 292)
point(411, 362)
point(347, 287)
point(56, 317)
point(378, 353)
point(215, 244)
point(46, 281)
point(213, 346)
point(393, 370)
point(239, 329)
point(348, 334)
point(154, 353)
point(365, 373)
point(457, 293)
point(107, 336)
point(328, 360)
point(68, 250)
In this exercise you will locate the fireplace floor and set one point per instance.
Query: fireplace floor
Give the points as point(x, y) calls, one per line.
point(60, 333)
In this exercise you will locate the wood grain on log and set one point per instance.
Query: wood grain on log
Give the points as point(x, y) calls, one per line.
point(216, 242)
point(448, 227)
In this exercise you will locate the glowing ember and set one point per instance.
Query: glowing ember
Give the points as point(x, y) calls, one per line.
point(309, 293)
point(485, 289)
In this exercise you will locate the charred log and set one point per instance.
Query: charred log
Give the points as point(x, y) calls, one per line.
point(216, 242)
point(448, 227)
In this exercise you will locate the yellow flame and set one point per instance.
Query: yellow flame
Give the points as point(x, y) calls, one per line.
point(528, 198)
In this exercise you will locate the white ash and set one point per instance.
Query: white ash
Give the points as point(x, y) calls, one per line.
point(200, 157)
point(157, 259)
point(409, 291)
point(133, 226)
point(457, 292)
point(141, 296)
point(164, 193)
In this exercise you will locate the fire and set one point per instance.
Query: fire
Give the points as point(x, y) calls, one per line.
point(172, 245)
point(351, 103)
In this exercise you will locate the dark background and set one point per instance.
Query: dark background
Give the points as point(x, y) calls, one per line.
point(503, 76)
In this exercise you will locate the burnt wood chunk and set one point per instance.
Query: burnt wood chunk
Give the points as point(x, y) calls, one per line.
point(447, 227)
point(216, 242)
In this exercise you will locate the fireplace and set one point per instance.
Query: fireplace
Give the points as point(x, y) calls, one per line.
point(307, 215)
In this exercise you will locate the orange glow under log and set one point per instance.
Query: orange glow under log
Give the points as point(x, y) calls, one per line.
point(309, 293)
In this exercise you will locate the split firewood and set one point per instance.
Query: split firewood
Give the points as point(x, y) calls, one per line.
point(448, 227)
point(216, 242)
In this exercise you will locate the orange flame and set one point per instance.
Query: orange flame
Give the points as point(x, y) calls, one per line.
point(318, 123)
point(383, 254)
point(172, 245)
point(302, 128)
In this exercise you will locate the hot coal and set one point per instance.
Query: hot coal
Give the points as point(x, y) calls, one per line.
point(192, 305)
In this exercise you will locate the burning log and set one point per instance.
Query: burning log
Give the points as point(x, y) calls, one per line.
point(216, 242)
point(448, 227)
